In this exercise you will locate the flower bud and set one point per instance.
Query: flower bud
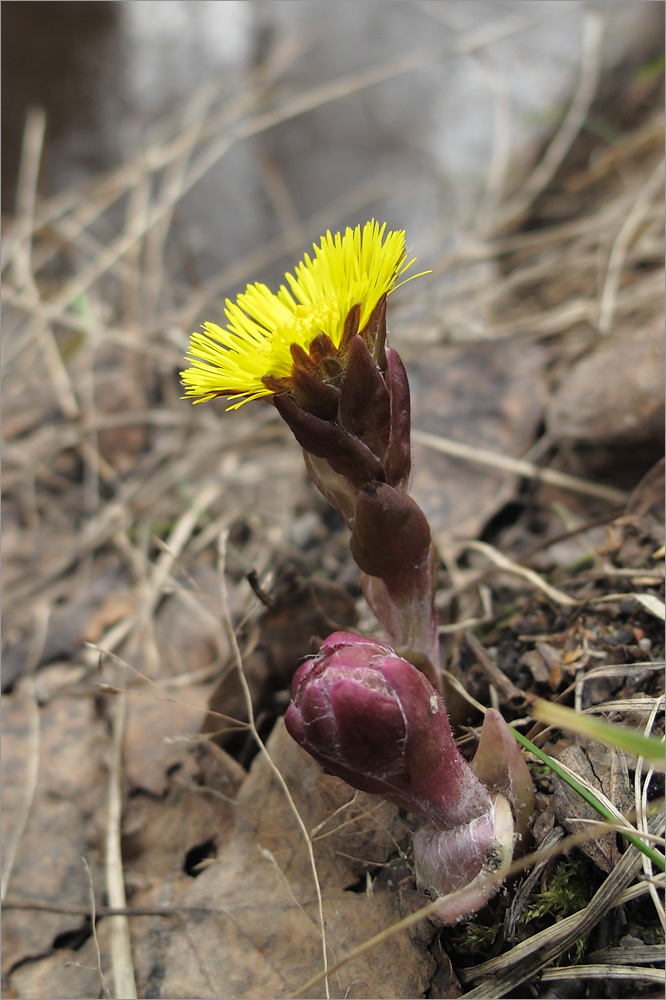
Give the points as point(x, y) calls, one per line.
point(373, 719)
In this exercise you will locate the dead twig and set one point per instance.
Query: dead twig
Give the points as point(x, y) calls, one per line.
point(124, 982)
point(22, 814)
point(509, 566)
point(494, 675)
point(520, 467)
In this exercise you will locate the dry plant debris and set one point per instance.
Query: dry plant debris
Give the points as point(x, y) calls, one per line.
point(249, 874)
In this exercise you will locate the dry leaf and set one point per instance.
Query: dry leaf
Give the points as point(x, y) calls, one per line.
point(261, 935)
point(71, 780)
point(487, 395)
point(64, 974)
point(614, 393)
point(606, 770)
point(156, 726)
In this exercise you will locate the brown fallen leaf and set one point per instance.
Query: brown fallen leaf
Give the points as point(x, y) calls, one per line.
point(488, 395)
point(259, 934)
point(48, 864)
point(616, 393)
point(81, 614)
point(167, 839)
point(606, 770)
point(156, 726)
point(66, 973)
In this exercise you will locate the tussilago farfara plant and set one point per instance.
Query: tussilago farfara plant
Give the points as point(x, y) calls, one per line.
point(318, 349)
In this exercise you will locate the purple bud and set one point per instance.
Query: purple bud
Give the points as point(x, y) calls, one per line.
point(373, 719)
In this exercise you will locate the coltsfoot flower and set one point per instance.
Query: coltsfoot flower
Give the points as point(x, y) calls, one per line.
point(267, 333)
point(318, 349)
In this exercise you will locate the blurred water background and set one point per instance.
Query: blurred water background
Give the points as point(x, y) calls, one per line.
point(416, 112)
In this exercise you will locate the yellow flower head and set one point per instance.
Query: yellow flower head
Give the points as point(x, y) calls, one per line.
point(360, 267)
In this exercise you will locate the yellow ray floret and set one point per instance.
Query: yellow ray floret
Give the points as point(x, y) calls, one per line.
point(359, 267)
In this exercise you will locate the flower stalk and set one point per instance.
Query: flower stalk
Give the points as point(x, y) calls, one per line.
point(318, 349)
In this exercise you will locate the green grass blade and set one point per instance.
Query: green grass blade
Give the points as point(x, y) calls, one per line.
point(655, 857)
point(622, 737)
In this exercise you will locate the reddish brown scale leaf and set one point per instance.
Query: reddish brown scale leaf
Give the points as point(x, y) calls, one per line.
point(301, 358)
point(276, 385)
point(391, 537)
point(500, 765)
point(331, 368)
point(335, 488)
point(344, 453)
point(364, 401)
point(350, 328)
point(312, 395)
point(399, 461)
point(374, 333)
point(322, 347)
